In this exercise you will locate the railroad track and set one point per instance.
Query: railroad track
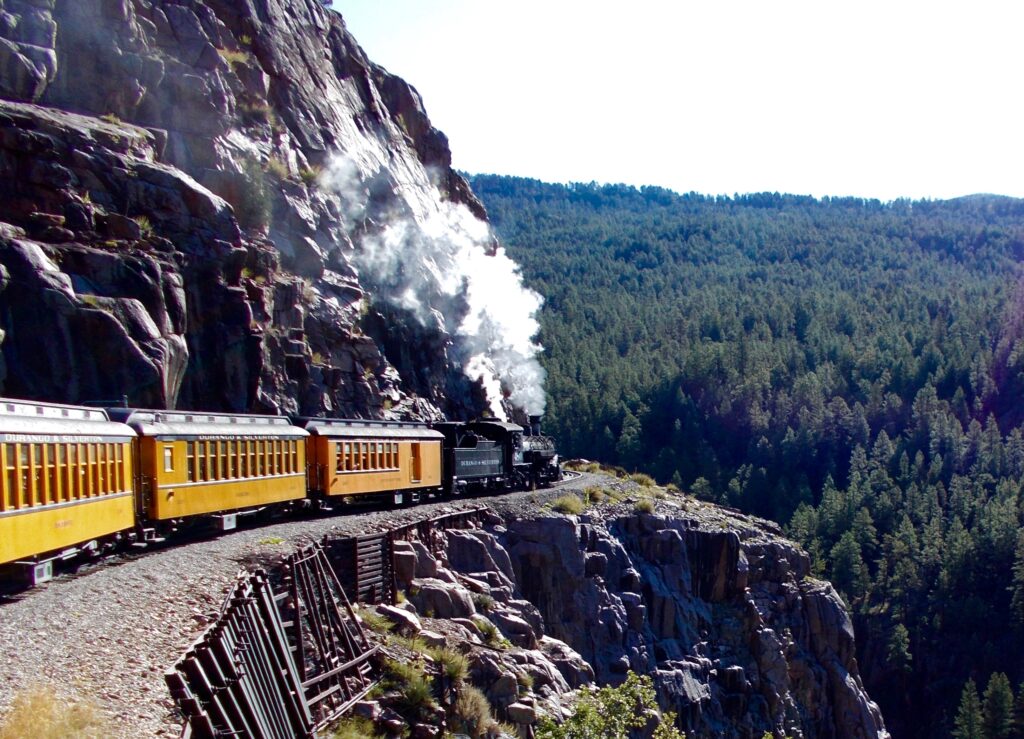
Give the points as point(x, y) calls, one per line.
point(127, 552)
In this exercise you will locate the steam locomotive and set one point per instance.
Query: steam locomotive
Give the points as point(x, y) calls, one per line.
point(75, 479)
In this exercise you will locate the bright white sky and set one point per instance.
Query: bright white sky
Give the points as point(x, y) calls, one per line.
point(873, 99)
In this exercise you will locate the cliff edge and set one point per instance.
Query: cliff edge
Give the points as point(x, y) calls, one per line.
point(716, 606)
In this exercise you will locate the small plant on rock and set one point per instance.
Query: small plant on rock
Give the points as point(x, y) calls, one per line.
point(454, 665)
point(235, 58)
point(254, 113)
point(251, 200)
point(277, 168)
point(310, 175)
point(413, 643)
point(489, 633)
point(145, 225)
point(374, 621)
point(483, 602)
point(525, 680)
point(416, 695)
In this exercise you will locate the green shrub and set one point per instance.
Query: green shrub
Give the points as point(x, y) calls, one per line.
point(374, 621)
point(483, 602)
point(525, 680)
point(490, 633)
point(354, 727)
point(611, 713)
point(416, 699)
point(413, 643)
point(454, 665)
point(235, 58)
point(310, 175)
point(277, 168)
point(251, 199)
point(254, 113)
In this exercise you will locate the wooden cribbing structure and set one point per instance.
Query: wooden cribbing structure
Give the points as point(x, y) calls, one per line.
point(286, 659)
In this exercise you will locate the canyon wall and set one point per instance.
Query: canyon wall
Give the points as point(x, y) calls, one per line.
point(171, 232)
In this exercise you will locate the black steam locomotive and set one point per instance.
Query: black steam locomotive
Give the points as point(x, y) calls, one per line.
point(495, 455)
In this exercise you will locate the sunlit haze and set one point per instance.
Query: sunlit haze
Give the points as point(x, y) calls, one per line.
point(872, 99)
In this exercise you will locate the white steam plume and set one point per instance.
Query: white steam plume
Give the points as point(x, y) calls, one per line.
point(435, 259)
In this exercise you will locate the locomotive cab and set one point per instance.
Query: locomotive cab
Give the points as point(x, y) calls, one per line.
point(473, 458)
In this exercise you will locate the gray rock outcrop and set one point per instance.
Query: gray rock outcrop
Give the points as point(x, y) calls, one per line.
point(716, 607)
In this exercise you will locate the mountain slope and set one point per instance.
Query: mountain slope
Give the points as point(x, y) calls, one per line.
point(852, 367)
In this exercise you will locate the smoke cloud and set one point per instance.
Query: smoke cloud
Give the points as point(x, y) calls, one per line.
point(437, 260)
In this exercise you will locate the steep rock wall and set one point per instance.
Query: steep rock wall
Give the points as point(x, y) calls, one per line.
point(165, 200)
point(717, 607)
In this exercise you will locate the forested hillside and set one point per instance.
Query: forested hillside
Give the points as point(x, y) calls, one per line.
point(849, 368)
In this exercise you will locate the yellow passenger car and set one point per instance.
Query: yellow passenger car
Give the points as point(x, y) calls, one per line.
point(193, 463)
point(363, 458)
point(67, 481)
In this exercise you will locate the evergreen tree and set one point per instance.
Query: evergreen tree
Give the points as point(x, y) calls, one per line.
point(898, 649)
point(969, 718)
point(1017, 586)
point(849, 574)
point(998, 707)
point(1018, 714)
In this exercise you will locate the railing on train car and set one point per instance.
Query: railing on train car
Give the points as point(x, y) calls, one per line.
point(285, 660)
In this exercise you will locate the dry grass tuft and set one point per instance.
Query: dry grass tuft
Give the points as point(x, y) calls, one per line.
point(645, 505)
point(569, 504)
point(473, 712)
point(38, 713)
point(643, 480)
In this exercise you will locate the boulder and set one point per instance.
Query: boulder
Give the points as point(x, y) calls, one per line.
point(432, 638)
point(405, 623)
point(438, 599)
point(515, 629)
point(521, 713)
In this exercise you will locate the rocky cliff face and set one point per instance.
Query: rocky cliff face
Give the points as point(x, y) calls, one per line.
point(717, 607)
point(168, 227)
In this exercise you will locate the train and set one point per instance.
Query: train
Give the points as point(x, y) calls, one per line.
point(77, 480)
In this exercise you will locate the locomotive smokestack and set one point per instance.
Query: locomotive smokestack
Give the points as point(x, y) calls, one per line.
point(535, 425)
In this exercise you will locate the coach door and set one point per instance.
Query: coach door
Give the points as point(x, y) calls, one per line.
point(416, 472)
